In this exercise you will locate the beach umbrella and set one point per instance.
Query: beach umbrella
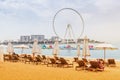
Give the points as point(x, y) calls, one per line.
point(78, 50)
point(105, 46)
point(1, 53)
point(10, 48)
point(56, 48)
point(22, 46)
point(36, 49)
point(85, 51)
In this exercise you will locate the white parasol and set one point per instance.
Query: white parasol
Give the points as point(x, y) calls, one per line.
point(22, 46)
point(56, 48)
point(10, 48)
point(36, 49)
point(1, 53)
point(105, 46)
point(78, 50)
point(85, 51)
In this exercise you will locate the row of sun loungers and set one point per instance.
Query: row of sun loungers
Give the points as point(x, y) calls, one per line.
point(94, 66)
point(12, 58)
point(61, 62)
point(58, 62)
point(83, 64)
point(97, 65)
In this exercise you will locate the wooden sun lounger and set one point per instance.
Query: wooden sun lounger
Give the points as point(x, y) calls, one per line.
point(95, 66)
point(81, 65)
point(111, 62)
point(64, 63)
point(51, 62)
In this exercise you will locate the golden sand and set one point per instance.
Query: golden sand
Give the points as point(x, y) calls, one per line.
point(21, 71)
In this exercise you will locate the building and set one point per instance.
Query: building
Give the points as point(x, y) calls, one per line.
point(38, 37)
point(24, 38)
point(53, 38)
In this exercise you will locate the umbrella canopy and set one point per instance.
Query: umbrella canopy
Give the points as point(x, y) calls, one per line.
point(22, 46)
point(78, 50)
point(10, 48)
point(56, 48)
point(85, 51)
point(36, 49)
point(105, 46)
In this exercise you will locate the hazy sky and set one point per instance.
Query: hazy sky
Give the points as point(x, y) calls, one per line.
point(27, 17)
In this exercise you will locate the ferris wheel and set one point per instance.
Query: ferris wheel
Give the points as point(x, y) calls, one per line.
point(68, 24)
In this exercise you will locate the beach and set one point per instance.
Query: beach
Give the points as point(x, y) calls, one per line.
point(67, 35)
point(22, 71)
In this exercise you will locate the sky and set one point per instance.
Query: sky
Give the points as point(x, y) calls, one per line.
point(32, 17)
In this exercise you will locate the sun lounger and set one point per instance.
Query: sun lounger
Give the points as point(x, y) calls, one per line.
point(85, 60)
point(96, 66)
point(11, 58)
point(64, 63)
point(111, 62)
point(101, 60)
point(23, 57)
point(29, 59)
point(56, 58)
point(14, 58)
point(38, 60)
point(44, 59)
point(7, 57)
point(81, 65)
point(75, 59)
point(51, 62)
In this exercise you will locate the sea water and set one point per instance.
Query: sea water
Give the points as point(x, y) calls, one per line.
point(73, 53)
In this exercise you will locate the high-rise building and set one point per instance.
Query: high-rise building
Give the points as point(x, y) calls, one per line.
point(38, 37)
point(24, 38)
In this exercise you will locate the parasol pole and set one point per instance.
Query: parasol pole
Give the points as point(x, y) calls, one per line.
point(104, 53)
